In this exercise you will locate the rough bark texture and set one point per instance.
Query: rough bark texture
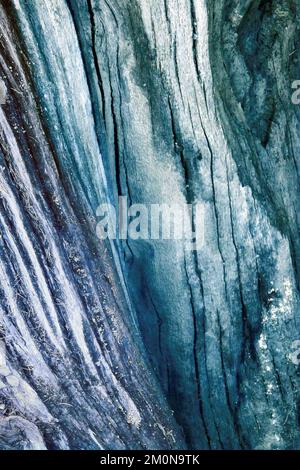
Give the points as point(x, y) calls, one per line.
point(162, 101)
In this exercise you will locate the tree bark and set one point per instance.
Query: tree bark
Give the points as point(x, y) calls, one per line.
point(161, 101)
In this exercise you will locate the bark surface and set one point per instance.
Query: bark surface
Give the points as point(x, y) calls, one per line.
point(146, 344)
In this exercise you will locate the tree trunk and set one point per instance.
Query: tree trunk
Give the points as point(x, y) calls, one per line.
point(162, 101)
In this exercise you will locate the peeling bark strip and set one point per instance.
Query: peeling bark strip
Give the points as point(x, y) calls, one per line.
point(143, 344)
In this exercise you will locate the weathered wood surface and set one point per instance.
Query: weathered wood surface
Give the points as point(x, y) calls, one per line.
point(162, 101)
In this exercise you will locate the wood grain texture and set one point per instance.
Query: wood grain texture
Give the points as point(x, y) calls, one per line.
point(145, 343)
